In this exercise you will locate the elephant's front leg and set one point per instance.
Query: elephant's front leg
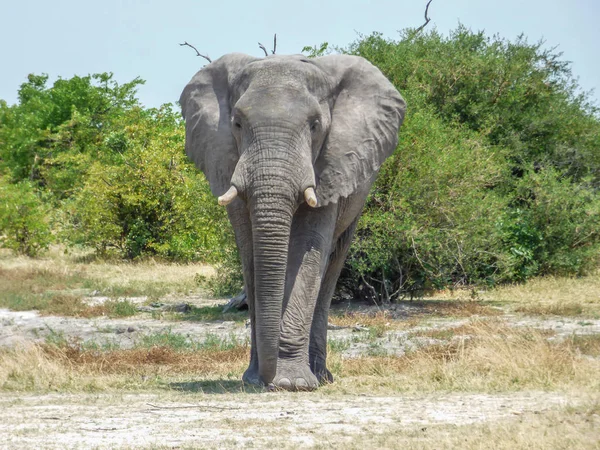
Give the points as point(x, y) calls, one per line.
point(240, 221)
point(310, 246)
point(318, 332)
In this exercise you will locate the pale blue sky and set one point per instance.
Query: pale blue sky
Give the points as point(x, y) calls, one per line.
point(139, 38)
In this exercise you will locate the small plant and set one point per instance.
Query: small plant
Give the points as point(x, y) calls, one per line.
point(122, 308)
point(166, 338)
point(24, 223)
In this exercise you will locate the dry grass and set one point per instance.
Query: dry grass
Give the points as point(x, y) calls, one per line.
point(456, 308)
point(56, 261)
point(495, 357)
point(153, 361)
point(587, 344)
point(415, 310)
point(367, 319)
point(559, 296)
point(58, 283)
point(570, 309)
point(566, 428)
point(53, 293)
point(50, 367)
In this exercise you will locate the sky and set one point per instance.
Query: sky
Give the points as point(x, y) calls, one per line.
point(134, 38)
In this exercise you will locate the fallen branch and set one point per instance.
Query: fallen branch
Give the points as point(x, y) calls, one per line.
point(220, 408)
point(197, 52)
point(238, 302)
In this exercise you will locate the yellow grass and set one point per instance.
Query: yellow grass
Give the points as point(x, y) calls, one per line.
point(495, 358)
point(559, 296)
point(56, 261)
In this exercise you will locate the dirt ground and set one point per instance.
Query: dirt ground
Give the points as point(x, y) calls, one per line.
point(274, 420)
point(185, 416)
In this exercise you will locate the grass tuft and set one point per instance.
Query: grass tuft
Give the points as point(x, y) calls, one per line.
point(495, 357)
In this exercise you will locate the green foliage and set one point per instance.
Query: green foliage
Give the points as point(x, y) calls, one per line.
point(496, 174)
point(149, 200)
point(24, 224)
point(53, 134)
point(558, 223)
point(316, 51)
point(114, 173)
point(496, 177)
point(228, 280)
point(430, 219)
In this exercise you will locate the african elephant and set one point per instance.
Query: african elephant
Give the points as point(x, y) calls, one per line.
point(291, 145)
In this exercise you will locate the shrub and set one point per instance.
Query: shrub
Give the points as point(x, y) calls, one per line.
point(555, 226)
point(151, 200)
point(496, 175)
point(24, 224)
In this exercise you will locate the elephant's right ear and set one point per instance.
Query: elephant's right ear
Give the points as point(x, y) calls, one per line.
point(205, 106)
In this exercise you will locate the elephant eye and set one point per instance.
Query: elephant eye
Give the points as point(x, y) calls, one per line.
point(314, 126)
point(238, 125)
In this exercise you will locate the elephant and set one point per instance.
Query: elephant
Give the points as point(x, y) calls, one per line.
point(291, 145)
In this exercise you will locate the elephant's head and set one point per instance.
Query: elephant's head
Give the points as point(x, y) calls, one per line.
point(280, 131)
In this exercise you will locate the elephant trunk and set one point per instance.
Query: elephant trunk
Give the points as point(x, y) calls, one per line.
point(268, 173)
point(271, 233)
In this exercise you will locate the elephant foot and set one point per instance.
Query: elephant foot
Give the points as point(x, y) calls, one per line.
point(251, 375)
point(294, 376)
point(322, 373)
point(324, 376)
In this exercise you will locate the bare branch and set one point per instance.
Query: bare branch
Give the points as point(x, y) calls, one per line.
point(274, 46)
point(197, 52)
point(263, 49)
point(427, 19)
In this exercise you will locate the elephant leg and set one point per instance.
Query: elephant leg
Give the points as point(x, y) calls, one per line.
point(310, 245)
point(240, 220)
point(318, 332)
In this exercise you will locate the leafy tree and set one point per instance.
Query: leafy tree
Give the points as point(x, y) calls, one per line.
point(52, 134)
point(496, 174)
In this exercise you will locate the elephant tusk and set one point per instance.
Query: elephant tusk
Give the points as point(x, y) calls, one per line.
point(310, 197)
point(228, 196)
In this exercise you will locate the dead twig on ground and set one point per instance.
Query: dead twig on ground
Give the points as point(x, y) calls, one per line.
point(219, 408)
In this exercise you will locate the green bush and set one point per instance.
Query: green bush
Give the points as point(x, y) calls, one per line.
point(555, 226)
point(24, 224)
point(431, 218)
point(151, 200)
point(496, 176)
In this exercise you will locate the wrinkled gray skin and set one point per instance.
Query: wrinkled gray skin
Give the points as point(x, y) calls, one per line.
point(273, 127)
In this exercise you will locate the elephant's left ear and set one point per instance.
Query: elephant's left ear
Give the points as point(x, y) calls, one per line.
point(365, 120)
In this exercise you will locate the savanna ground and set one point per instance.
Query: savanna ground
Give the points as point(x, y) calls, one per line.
point(100, 355)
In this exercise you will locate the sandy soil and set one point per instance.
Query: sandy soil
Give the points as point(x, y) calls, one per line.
point(273, 420)
point(18, 327)
point(184, 417)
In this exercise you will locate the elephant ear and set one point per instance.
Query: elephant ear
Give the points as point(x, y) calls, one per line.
point(205, 106)
point(365, 120)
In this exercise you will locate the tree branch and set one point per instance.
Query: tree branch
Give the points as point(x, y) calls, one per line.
point(197, 52)
point(427, 19)
point(263, 49)
point(274, 46)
